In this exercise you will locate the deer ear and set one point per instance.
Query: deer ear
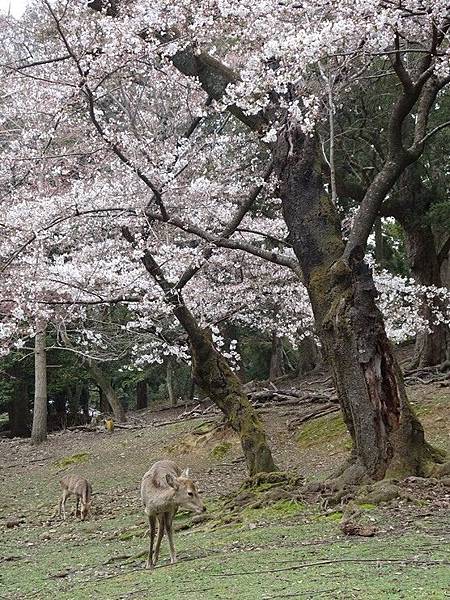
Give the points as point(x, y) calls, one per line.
point(185, 473)
point(171, 481)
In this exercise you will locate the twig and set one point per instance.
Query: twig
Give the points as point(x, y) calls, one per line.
point(321, 563)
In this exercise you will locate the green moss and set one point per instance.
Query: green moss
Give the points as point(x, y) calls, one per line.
point(281, 508)
point(75, 459)
point(367, 506)
point(322, 430)
point(334, 516)
point(220, 450)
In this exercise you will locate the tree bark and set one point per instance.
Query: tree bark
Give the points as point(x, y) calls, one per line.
point(387, 437)
point(169, 382)
point(276, 368)
point(84, 401)
point(431, 346)
point(141, 395)
point(39, 429)
point(105, 385)
point(410, 207)
point(379, 245)
point(19, 408)
point(309, 355)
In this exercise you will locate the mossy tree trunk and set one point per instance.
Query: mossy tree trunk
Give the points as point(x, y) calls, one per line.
point(387, 437)
point(214, 376)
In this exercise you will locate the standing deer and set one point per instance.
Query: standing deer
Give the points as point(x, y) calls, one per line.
point(164, 489)
point(79, 487)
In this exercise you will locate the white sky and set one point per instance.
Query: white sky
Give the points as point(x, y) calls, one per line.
point(17, 6)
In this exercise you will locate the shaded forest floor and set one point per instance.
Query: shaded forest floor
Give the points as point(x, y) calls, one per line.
point(290, 549)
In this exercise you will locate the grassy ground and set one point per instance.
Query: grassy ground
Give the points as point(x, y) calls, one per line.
point(289, 550)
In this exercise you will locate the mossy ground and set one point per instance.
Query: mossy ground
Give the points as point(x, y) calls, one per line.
point(286, 550)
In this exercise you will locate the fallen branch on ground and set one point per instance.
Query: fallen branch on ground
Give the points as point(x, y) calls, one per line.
point(322, 411)
point(321, 563)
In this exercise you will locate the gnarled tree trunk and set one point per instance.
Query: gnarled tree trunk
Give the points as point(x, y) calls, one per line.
point(39, 429)
point(387, 437)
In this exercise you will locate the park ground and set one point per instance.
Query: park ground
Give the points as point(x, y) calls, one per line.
point(290, 548)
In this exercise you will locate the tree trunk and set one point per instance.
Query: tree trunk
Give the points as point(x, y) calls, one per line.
point(39, 430)
point(387, 437)
point(141, 395)
point(169, 382)
point(309, 355)
point(379, 244)
point(410, 207)
point(84, 402)
point(276, 357)
point(431, 346)
point(105, 385)
point(19, 408)
point(214, 376)
point(191, 393)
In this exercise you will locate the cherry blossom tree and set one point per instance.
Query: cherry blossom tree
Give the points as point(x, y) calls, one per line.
point(172, 100)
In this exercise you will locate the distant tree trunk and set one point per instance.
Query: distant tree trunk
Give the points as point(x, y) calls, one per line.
point(410, 207)
point(191, 393)
point(388, 439)
point(60, 410)
point(276, 357)
point(309, 355)
point(39, 430)
point(103, 405)
point(84, 401)
point(73, 403)
point(105, 385)
point(379, 249)
point(169, 382)
point(141, 395)
point(19, 408)
point(431, 347)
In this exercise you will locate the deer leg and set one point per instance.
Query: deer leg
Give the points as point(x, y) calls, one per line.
point(77, 508)
point(152, 529)
point(161, 520)
point(62, 504)
point(169, 529)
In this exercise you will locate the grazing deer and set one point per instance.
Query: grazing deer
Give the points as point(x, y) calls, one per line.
point(79, 487)
point(165, 489)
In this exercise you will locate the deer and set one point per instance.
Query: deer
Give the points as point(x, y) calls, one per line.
point(164, 489)
point(81, 488)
